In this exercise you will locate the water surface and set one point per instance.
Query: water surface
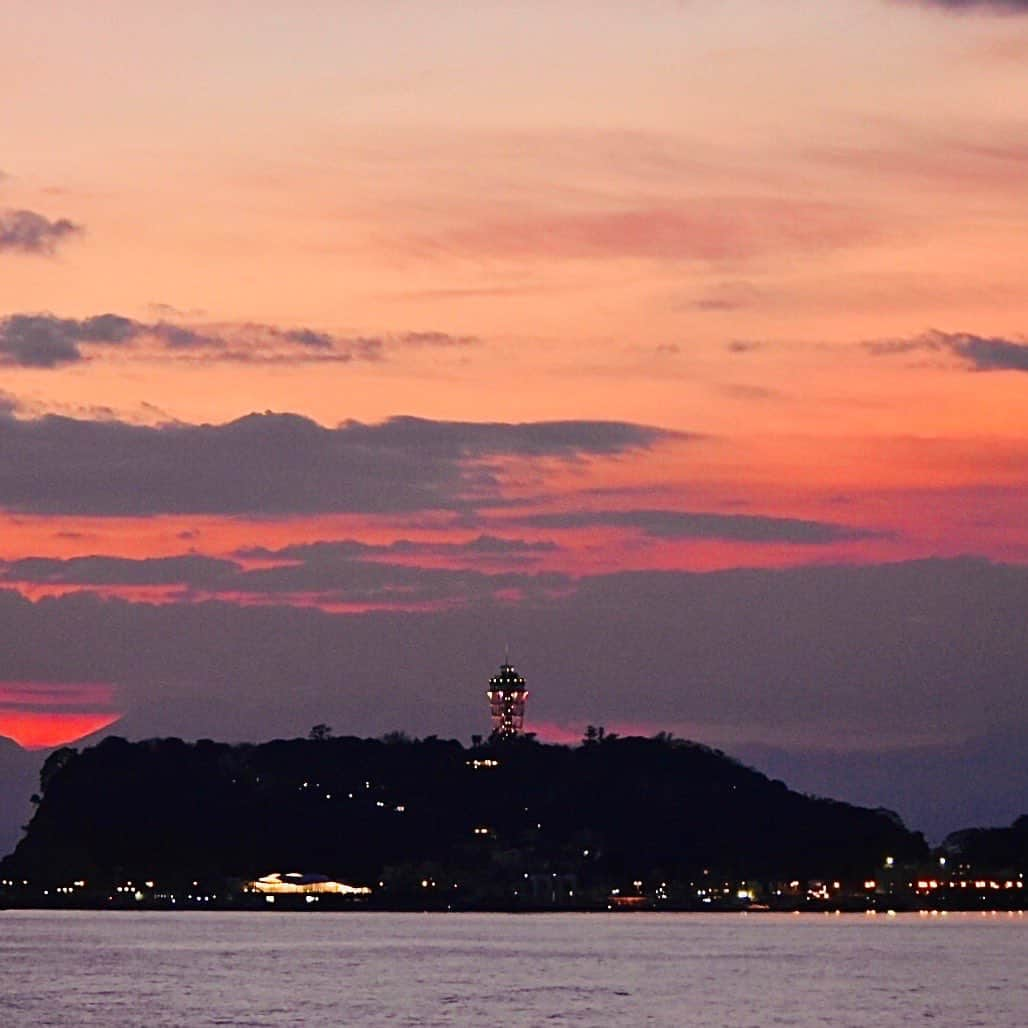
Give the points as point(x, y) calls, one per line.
point(272, 969)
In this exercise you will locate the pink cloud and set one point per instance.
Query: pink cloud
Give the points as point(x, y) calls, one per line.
point(711, 229)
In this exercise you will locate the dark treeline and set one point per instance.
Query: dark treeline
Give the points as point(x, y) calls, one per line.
point(394, 810)
point(992, 847)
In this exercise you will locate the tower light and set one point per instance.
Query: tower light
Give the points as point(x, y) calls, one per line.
point(507, 695)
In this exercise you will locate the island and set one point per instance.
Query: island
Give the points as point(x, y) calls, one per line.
point(508, 824)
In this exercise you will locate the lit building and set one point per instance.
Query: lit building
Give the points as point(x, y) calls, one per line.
point(294, 882)
point(507, 695)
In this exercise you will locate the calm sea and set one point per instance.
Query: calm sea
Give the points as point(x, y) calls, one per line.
point(727, 970)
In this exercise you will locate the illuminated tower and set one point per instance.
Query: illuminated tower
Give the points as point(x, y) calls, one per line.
point(507, 695)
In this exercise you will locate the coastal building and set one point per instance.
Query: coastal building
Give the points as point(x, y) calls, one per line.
point(294, 882)
point(507, 695)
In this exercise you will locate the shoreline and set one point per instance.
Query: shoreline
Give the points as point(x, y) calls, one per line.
point(326, 905)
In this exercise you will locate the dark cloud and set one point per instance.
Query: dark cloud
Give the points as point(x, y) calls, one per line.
point(567, 440)
point(983, 6)
point(483, 546)
point(978, 353)
point(192, 570)
point(337, 571)
point(47, 341)
point(985, 354)
point(335, 580)
point(673, 524)
point(351, 572)
point(488, 546)
point(32, 233)
point(282, 464)
point(43, 341)
point(345, 572)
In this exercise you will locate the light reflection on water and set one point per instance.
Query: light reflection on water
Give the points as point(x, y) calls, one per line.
point(273, 969)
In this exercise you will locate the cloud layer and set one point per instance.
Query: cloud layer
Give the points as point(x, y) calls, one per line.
point(268, 465)
point(343, 573)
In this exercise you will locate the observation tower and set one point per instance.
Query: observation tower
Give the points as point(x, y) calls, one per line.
point(507, 695)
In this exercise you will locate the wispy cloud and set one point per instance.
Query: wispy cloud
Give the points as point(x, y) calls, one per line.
point(674, 524)
point(977, 353)
point(708, 229)
point(743, 345)
point(726, 296)
point(48, 341)
point(983, 6)
point(28, 232)
point(482, 547)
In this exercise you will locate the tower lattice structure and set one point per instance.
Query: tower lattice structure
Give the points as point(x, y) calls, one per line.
point(507, 695)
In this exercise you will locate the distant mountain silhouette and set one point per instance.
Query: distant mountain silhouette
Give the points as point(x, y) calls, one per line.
point(918, 779)
point(19, 771)
point(611, 810)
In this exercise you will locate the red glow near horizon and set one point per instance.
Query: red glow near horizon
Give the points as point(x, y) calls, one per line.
point(33, 730)
point(38, 715)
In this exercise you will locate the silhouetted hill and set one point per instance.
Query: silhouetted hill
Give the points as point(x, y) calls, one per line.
point(366, 809)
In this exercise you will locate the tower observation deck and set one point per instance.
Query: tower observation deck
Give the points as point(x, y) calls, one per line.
point(507, 695)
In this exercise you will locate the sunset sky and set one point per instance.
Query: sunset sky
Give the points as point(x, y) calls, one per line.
point(679, 346)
